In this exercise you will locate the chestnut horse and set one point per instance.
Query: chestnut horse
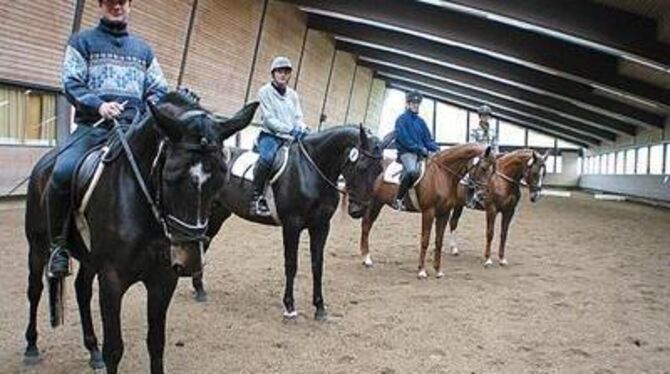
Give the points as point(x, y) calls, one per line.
point(502, 193)
point(436, 194)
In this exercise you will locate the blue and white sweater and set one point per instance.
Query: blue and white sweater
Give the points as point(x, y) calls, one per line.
point(104, 64)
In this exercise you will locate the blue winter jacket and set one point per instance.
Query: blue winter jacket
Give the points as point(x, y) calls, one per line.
point(106, 63)
point(412, 135)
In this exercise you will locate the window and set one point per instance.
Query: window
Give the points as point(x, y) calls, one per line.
point(564, 144)
point(620, 162)
point(656, 159)
point(27, 116)
point(642, 160)
point(611, 159)
point(594, 165)
point(586, 165)
point(630, 161)
point(450, 124)
point(535, 139)
point(427, 112)
point(667, 159)
point(602, 165)
point(550, 164)
point(473, 123)
point(559, 164)
point(580, 162)
point(394, 105)
point(511, 135)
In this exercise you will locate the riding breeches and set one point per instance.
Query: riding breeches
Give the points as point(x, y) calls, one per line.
point(77, 144)
point(268, 145)
point(410, 164)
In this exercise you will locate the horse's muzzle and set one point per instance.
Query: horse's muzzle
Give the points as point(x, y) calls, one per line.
point(186, 259)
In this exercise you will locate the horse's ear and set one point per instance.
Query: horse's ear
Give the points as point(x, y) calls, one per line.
point(545, 156)
point(166, 114)
point(228, 127)
point(363, 136)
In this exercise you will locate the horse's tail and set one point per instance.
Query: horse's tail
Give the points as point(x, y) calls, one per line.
point(57, 301)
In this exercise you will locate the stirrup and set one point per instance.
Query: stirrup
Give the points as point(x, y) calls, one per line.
point(52, 271)
point(260, 207)
point(399, 205)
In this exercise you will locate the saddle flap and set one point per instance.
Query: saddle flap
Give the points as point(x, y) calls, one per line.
point(243, 167)
point(394, 171)
point(86, 176)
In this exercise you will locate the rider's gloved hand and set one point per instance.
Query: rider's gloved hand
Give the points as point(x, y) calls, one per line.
point(298, 133)
point(110, 110)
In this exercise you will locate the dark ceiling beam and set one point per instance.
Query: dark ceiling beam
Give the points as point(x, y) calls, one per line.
point(498, 40)
point(485, 67)
point(512, 118)
point(499, 102)
point(593, 25)
point(383, 60)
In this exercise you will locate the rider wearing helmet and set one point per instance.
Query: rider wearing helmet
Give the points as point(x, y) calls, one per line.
point(282, 119)
point(484, 135)
point(104, 67)
point(413, 141)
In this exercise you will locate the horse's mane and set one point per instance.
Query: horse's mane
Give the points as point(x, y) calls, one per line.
point(519, 155)
point(459, 152)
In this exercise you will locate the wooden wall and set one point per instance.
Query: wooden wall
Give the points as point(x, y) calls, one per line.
point(375, 104)
point(312, 81)
point(340, 87)
point(358, 101)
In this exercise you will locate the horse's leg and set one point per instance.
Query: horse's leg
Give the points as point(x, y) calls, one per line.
point(440, 226)
point(217, 217)
point(371, 214)
point(490, 228)
point(317, 240)
point(291, 240)
point(36, 262)
point(426, 225)
point(506, 220)
point(83, 286)
point(159, 293)
point(453, 225)
point(110, 295)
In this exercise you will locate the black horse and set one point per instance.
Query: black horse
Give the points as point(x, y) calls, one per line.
point(306, 197)
point(149, 232)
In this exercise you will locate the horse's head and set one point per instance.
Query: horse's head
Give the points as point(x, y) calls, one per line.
point(191, 171)
point(480, 171)
point(361, 168)
point(534, 174)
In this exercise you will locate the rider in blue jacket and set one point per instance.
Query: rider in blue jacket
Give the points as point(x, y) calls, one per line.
point(414, 142)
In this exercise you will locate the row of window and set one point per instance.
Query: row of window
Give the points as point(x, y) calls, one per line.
point(27, 116)
point(653, 159)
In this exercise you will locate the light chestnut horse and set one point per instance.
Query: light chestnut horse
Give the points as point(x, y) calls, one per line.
point(437, 196)
point(502, 193)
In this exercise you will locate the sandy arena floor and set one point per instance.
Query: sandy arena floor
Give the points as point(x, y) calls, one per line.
point(587, 291)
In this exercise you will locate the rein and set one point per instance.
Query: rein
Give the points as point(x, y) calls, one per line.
point(518, 182)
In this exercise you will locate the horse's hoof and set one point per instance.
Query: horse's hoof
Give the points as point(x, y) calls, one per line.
point(290, 315)
point(454, 251)
point(488, 262)
point(422, 274)
point(32, 356)
point(201, 297)
point(439, 274)
point(321, 315)
point(503, 262)
point(96, 361)
point(367, 261)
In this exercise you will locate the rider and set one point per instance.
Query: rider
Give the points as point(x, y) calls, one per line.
point(282, 120)
point(484, 135)
point(107, 73)
point(414, 142)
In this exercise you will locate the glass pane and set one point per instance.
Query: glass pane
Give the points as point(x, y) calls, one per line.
point(450, 125)
point(620, 162)
point(426, 112)
point(642, 160)
point(580, 162)
point(667, 159)
point(473, 121)
point(394, 105)
point(611, 159)
point(630, 161)
point(559, 164)
point(535, 139)
point(511, 135)
point(550, 164)
point(27, 116)
point(602, 164)
point(564, 144)
point(656, 159)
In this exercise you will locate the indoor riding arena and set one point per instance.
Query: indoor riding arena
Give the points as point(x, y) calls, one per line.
point(566, 105)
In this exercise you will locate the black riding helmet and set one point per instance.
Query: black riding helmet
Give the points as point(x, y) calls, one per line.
point(484, 110)
point(414, 97)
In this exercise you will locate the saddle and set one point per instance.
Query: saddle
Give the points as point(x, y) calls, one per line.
point(393, 173)
point(243, 167)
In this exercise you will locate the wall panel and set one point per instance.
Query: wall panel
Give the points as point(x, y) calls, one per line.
point(340, 88)
point(314, 71)
point(359, 95)
point(375, 104)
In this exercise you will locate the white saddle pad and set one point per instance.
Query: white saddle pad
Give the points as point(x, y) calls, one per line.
point(393, 172)
point(244, 166)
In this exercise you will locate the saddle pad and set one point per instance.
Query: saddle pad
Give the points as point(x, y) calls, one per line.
point(244, 165)
point(393, 173)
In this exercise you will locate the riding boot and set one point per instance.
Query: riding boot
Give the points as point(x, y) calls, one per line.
point(58, 210)
point(405, 183)
point(259, 205)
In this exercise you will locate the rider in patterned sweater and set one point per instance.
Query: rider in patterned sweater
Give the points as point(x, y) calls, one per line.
point(104, 68)
point(414, 142)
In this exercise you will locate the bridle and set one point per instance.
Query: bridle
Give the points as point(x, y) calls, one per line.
point(464, 177)
point(525, 174)
point(175, 229)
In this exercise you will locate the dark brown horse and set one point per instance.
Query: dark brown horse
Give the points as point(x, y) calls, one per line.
point(436, 195)
point(502, 193)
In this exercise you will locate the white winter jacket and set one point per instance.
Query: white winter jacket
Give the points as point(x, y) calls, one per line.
point(280, 114)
